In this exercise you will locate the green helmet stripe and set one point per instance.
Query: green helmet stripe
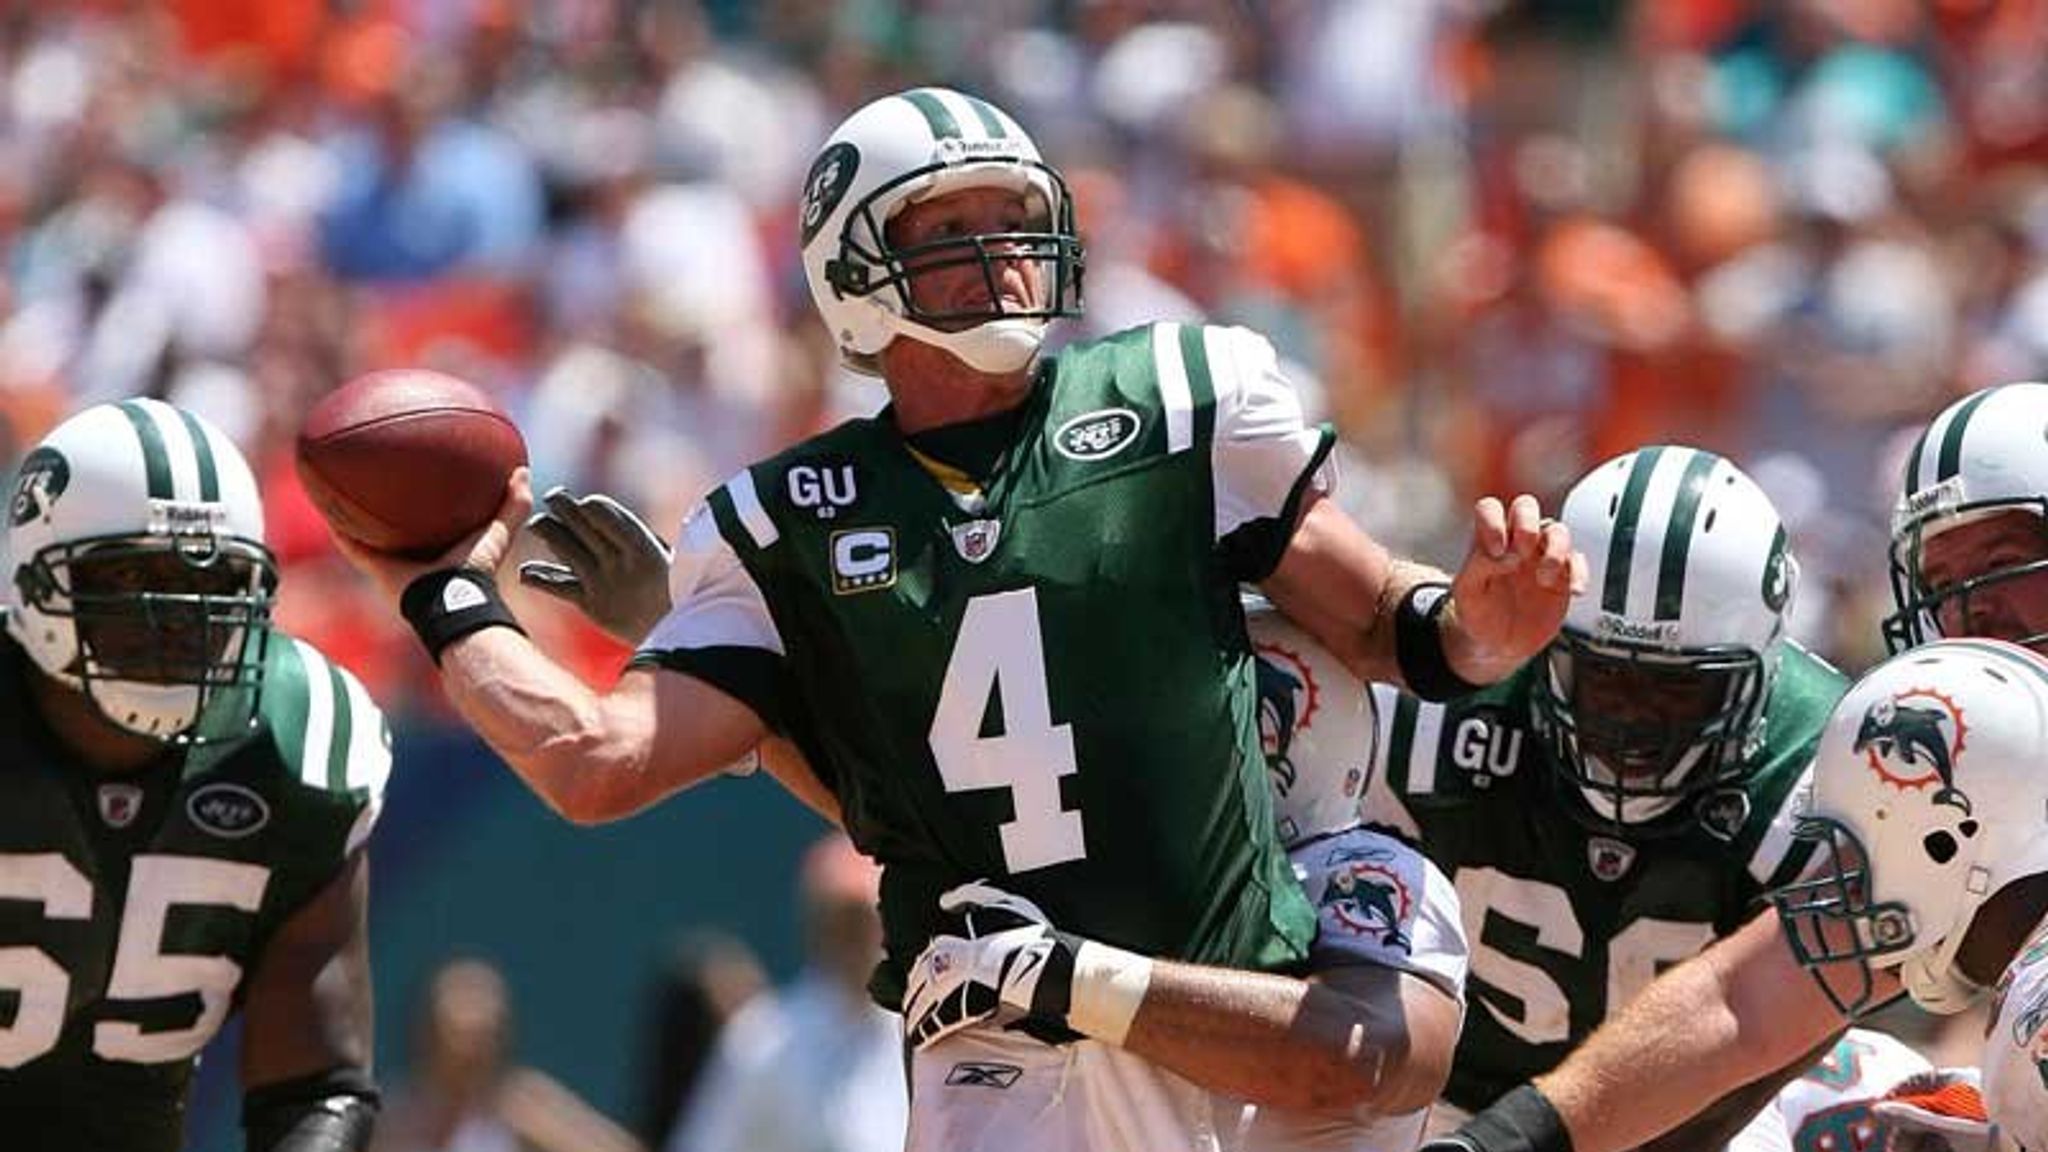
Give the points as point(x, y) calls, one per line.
point(338, 742)
point(1951, 460)
point(209, 473)
point(1685, 509)
point(1621, 549)
point(990, 122)
point(941, 121)
point(1913, 461)
point(156, 460)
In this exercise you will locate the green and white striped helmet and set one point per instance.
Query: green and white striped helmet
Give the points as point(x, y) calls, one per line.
point(912, 146)
point(1984, 454)
point(1655, 688)
point(140, 576)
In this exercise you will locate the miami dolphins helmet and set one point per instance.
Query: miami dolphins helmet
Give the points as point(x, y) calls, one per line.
point(1985, 453)
point(909, 147)
point(139, 573)
point(1655, 690)
point(1927, 799)
point(1317, 724)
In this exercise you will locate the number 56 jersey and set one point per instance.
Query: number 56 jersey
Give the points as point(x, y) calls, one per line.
point(133, 907)
point(1566, 924)
point(1043, 678)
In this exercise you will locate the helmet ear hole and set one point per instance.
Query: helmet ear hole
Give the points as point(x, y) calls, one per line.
point(1940, 846)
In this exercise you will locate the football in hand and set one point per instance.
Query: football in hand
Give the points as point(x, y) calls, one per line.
point(408, 461)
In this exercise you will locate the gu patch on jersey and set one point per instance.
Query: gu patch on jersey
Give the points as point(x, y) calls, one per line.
point(825, 489)
point(229, 811)
point(863, 560)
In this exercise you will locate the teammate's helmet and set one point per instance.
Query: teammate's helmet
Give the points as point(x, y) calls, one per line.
point(1655, 689)
point(1986, 453)
point(1927, 799)
point(1317, 724)
point(139, 575)
point(912, 146)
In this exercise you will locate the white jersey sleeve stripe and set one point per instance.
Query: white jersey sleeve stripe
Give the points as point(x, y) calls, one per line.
point(1175, 396)
point(369, 757)
point(1422, 750)
point(319, 716)
point(717, 603)
point(1777, 839)
point(747, 502)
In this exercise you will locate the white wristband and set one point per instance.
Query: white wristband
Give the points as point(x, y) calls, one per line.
point(1109, 984)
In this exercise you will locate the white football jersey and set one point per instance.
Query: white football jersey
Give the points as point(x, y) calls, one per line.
point(1379, 902)
point(2016, 1051)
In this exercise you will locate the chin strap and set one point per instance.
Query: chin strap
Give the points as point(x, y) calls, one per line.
point(996, 347)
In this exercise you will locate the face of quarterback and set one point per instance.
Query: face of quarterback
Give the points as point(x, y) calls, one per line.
point(2011, 608)
point(947, 280)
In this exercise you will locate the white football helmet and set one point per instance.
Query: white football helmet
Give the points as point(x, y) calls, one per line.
point(912, 146)
point(1656, 687)
point(1927, 799)
point(1985, 453)
point(1317, 724)
point(140, 576)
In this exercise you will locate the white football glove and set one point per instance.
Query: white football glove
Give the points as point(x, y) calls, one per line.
point(1012, 964)
point(1937, 1111)
point(608, 562)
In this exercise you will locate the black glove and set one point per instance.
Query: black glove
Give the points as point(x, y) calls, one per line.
point(1521, 1121)
point(612, 566)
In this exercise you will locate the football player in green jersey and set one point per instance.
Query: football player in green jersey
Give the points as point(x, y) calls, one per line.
point(1622, 802)
point(184, 799)
point(1969, 546)
point(1003, 613)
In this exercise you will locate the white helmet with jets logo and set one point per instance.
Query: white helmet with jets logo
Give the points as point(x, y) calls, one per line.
point(1317, 724)
point(1985, 453)
point(1688, 579)
point(1927, 800)
point(139, 575)
point(912, 146)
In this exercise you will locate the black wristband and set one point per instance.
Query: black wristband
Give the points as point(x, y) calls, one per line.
point(1521, 1121)
point(447, 604)
point(1419, 644)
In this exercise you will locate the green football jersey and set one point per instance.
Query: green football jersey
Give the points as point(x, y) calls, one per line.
point(1566, 924)
point(1047, 684)
point(133, 906)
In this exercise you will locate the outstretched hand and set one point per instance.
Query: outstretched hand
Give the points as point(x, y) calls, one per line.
point(483, 550)
point(609, 563)
point(1510, 597)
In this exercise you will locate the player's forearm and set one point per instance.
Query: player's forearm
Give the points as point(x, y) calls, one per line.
point(1279, 1042)
point(556, 733)
point(1692, 1037)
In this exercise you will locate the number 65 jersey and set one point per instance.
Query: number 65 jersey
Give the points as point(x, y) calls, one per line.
point(1038, 674)
point(1565, 923)
point(134, 906)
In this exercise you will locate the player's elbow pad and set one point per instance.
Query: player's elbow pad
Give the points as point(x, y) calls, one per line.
point(329, 1112)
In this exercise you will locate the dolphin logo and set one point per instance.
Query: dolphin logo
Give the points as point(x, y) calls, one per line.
point(1913, 735)
point(1277, 687)
point(1365, 903)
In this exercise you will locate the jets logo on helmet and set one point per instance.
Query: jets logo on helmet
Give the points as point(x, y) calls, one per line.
point(1656, 687)
point(140, 575)
point(913, 146)
point(1984, 454)
point(1905, 864)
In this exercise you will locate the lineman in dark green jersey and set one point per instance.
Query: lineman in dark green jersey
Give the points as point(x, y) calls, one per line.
point(1004, 613)
point(1968, 553)
point(1618, 805)
point(184, 798)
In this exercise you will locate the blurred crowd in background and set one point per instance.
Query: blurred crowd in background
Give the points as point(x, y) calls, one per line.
point(1495, 240)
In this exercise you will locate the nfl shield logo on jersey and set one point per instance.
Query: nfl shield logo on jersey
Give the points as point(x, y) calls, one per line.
point(119, 804)
point(1609, 859)
point(975, 540)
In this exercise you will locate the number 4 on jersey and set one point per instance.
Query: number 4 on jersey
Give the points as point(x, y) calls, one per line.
point(1000, 649)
